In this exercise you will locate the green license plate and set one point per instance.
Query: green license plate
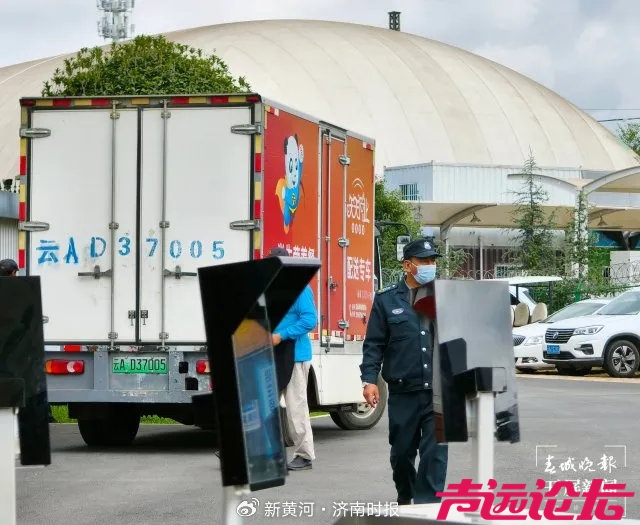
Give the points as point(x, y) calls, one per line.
point(139, 365)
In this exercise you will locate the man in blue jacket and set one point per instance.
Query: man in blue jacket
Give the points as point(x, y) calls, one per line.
point(301, 318)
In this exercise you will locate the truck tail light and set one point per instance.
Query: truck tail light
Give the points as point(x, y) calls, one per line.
point(202, 366)
point(72, 348)
point(64, 367)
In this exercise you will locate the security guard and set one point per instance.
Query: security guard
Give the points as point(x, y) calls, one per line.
point(402, 344)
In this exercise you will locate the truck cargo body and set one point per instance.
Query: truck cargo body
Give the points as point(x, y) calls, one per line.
point(124, 198)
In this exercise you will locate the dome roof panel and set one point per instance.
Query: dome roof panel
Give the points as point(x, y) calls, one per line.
point(421, 100)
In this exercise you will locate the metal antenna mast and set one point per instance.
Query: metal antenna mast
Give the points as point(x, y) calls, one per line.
point(114, 19)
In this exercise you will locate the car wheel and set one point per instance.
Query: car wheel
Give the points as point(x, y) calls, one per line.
point(526, 370)
point(622, 359)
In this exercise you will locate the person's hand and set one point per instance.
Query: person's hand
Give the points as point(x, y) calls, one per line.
point(276, 339)
point(371, 394)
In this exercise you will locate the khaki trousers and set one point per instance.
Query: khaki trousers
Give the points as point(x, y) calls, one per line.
point(295, 397)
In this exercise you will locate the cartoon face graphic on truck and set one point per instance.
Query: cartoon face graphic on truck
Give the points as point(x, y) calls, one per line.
point(288, 187)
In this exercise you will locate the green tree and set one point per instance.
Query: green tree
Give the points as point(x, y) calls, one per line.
point(391, 208)
point(534, 252)
point(578, 240)
point(146, 65)
point(629, 133)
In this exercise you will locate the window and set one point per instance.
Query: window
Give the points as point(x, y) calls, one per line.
point(409, 192)
point(506, 270)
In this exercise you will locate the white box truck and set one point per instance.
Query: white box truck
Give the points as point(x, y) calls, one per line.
point(123, 198)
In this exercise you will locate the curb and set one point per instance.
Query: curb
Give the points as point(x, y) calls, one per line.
point(629, 380)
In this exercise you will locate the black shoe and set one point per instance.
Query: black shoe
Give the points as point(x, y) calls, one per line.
point(299, 463)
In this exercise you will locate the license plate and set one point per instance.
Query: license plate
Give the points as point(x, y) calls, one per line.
point(553, 349)
point(139, 365)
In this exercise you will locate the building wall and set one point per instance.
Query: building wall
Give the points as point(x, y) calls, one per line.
point(474, 184)
point(458, 183)
point(415, 182)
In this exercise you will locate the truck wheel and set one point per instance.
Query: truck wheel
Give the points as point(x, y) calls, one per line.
point(364, 417)
point(622, 359)
point(116, 430)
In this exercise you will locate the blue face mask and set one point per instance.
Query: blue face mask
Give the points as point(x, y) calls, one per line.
point(425, 273)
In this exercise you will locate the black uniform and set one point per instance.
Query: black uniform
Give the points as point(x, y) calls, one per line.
point(402, 344)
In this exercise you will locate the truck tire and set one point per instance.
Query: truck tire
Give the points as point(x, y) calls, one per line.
point(118, 429)
point(365, 417)
point(621, 359)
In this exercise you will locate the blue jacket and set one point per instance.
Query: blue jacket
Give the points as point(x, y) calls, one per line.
point(301, 318)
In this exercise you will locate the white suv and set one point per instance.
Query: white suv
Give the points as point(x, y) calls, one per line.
point(609, 338)
point(528, 340)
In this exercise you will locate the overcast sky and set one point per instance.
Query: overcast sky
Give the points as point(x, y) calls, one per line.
point(586, 50)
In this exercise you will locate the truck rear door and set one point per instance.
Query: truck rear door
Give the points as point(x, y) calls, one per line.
point(82, 183)
point(348, 266)
point(135, 200)
point(195, 180)
point(333, 271)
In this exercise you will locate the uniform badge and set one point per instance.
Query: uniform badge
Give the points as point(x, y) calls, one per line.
point(427, 246)
point(397, 311)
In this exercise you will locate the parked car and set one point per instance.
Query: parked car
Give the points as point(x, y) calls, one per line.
point(519, 288)
point(529, 339)
point(609, 338)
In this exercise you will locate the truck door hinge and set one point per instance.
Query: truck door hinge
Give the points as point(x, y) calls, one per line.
point(114, 115)
point(247, 129)
point(163, 336)
point(34, 133)
point(33, 226)
point(113, 336)
point(345, 160)
point(165, 114)
point(343, 242)
point(245, 225)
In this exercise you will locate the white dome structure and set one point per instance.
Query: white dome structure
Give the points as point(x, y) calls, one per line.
point(421, 100)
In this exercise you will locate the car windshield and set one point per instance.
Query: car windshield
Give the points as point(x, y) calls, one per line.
point(527, 295)
point(625, 304)
point(573, 310)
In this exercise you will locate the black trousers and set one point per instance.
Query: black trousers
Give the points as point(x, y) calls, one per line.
point(412, 430)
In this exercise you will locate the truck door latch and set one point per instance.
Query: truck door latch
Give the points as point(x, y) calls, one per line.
point(96, 273)
point(178, 273)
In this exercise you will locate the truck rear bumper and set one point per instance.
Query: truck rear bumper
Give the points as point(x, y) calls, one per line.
point(119, 396)
point(97, 380)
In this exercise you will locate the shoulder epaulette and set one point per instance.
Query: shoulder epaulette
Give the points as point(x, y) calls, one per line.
point(386, 289)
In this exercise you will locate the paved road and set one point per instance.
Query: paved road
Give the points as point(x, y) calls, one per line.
point(171, 476)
